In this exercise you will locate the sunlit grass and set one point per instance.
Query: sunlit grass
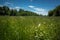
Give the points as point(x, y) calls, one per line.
point(29, 28)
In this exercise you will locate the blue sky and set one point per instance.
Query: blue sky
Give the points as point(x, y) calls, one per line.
point(38, 6)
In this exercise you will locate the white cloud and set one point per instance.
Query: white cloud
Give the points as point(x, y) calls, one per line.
point(17, 8)
point(8, 3)
point(43, 12)
point(39, 10)
point(10, 7)
point(31, 6)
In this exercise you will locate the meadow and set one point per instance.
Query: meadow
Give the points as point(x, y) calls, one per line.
point(29, 28)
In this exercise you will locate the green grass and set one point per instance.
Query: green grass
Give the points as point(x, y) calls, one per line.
point(29, 28)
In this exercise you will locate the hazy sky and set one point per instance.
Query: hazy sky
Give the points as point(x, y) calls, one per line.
point(38, 6)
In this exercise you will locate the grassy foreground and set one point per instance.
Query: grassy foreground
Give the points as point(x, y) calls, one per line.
point(29, 28)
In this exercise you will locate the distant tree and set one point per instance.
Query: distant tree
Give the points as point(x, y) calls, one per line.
point(13, 12)
point(50, 13)
point(26, 13)
point(1, 11)
point(58, 10)
point(20, 12)
point(54, 12)
point(6, 11)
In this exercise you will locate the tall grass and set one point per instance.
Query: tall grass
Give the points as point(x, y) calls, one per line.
point(29, 28)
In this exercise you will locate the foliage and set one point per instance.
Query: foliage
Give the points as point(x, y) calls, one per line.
point(54, 12)
point(6, 11)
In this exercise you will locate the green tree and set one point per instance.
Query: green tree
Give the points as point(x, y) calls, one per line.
point(1, 11)
point(50, 13)
point(6, 11)
point(54, 12)
point(13, 12)
point(27, 13)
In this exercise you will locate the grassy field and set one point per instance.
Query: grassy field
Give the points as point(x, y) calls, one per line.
point(29, 28)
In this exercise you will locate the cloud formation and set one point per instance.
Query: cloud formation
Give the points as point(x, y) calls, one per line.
point(31, 6)
point(8, 3)
point(11, 4)
point(17, 8)
point(39, 10)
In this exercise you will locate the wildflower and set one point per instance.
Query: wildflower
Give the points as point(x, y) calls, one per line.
point(39, 25)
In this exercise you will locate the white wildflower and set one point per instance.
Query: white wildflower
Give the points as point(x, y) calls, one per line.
point(39, 25)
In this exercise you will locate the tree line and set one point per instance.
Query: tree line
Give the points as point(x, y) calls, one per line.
point(55, 11)
point(6, 11)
